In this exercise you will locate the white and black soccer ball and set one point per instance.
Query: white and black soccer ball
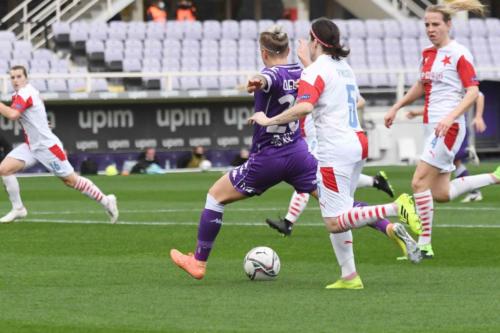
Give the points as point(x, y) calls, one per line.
point(261, 263)
point(205, 165)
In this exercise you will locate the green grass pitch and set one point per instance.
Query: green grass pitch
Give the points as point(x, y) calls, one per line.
point(65, 269)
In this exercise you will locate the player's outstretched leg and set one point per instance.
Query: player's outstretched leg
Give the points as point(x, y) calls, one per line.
point(18, 210)
point(88, 188)
point(387, 228)
point(297, 205)
point(208, 229)
point(472, 196)
point(358, 217)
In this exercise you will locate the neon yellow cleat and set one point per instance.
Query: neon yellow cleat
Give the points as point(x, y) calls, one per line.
point(355, 283)
point(407, 213)
point(496, 174)
point(427, 252)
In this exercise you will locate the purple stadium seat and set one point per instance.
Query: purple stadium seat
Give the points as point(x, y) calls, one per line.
point(230, 29)
point(342, 25)
point(4, 66)
point(211, 30)
point(39, 84)
point(301, 29)
point(155, 30)
point(171, 65)
point(493, 26)
point(44, 54)
point(228, 64)
point(356, 28)
point(132, 65)
point(57, 85)
point(20, 62)
point(190, 64)
point(228, 82)
point(460, 29)
point(114, 44)
point(248, 29)
point(175, 30)
point(136, 30)
point(5, 54)
point(133, 53)
point(193, 30)
point(77, 85)
point(263, 25)
point(99, 31)
point(98, 85)
point(41, 64)
point(246, 63)
point(7, 35)
point(152, 64)
point(94, 49)
point(288, 27)
point(410, 28)
point(113, 55)
point(189, 83)
point(209, 82)
point(477, 27)
point(391, 28)
point(117, 31)
point(374, 29)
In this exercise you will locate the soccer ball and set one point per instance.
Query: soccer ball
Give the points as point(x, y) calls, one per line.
point(205, 165)
point(261, 263)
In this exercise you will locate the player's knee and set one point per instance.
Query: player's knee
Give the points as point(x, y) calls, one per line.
point(417, 184)
point(332, 225)
point(440, 196)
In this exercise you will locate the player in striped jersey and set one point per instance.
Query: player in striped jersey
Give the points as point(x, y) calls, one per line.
point(446, 71)
point(42, 146)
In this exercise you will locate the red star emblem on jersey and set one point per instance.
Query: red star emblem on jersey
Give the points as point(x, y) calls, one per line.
point(446, 60)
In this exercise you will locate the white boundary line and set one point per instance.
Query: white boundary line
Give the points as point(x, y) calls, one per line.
point(238, 224)
point(269, 209)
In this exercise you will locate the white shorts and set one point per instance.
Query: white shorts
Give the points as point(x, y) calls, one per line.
point(312, 145)
point(440, 151)
point(53, 158)
point(336, 187)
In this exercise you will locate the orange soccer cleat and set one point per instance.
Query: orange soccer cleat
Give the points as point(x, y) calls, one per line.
point(193, 267)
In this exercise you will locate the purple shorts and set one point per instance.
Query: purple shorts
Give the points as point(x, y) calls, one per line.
point(262, 172)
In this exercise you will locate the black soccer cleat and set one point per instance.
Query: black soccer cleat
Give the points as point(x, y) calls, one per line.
point(381, 182)
point(283, 226)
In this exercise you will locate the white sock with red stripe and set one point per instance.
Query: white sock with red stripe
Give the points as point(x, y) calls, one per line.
point(12, 188)
point(297, 205)
point(87, 187)
point(463, 185)
point(358, 217)
point(424, 204)
point(364, 181)
point(342, 246)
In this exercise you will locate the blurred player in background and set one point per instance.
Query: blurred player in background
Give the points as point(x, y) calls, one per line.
point(12, 187)
point(467, 150)
point(328, 89)
point(41, 144)
point(445, 72)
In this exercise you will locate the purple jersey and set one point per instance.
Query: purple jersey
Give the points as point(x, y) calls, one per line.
point(278, 96)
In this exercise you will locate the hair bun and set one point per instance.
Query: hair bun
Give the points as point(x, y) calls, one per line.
point(277, 29)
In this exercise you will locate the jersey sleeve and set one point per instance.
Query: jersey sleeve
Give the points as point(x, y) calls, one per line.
point(22, 100)
point(466, 71)
point(311, 87)
point(271, 78)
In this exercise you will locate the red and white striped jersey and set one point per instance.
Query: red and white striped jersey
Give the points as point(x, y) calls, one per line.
point(33, 118)
point(444, 73)
point(330, 85)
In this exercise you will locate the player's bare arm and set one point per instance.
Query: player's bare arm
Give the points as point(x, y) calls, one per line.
point(255, 83)
point(416, 91)
point(469, 98)
point(294, 113)
point(8, 112)
point(478, 121)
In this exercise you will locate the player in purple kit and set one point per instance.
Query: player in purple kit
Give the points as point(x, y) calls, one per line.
point(277, 148)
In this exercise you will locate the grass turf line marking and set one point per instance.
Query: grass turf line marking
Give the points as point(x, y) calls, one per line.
point(270, 209)
point(241, 224)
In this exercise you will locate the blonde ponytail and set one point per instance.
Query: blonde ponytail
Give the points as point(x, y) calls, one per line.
point(452, 7)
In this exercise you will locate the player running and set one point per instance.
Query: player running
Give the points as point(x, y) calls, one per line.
point(446, 71)
point(466, 151)
point(278, 152)
point(328, 89)
point(42, 145)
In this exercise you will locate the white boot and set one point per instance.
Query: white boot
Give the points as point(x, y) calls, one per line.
point(14, 214)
